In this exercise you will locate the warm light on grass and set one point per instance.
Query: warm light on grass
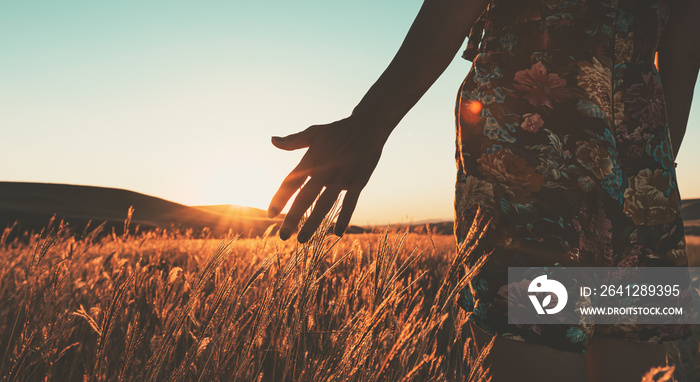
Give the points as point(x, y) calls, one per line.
point(172, 306)
point(181, 307)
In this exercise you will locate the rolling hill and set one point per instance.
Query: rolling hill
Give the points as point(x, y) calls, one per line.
point(33, 204)
point(690, 209)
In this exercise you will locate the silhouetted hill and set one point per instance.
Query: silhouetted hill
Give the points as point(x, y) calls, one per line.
point(33, 204)
point(690, 209)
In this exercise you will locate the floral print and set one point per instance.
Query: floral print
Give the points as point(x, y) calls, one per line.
point(512, 173)
point(562, 141)
point(594, 157)
point(645, 101)
point(532, 122)
point(539, 87)
point(596, 80)
point(645, 202)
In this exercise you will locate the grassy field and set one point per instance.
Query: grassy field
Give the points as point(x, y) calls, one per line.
point(176, 306)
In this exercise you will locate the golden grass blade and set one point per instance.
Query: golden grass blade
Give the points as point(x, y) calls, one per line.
point(659, 374)
point(478, 372)
point(372, 307)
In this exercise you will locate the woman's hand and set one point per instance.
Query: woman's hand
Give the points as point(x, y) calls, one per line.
point(341, 156)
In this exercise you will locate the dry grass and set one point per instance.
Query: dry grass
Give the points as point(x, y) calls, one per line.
point(172, 307)
point(169, 306)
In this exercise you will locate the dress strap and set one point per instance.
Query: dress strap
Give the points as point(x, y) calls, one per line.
point(475, 35)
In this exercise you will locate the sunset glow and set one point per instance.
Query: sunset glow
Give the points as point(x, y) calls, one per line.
point(180, 101)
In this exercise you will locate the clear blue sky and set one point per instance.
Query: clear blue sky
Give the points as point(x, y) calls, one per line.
point(178, 99)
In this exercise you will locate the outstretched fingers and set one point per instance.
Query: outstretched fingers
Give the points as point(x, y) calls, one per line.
point(348, 207)
point(303, 201)
point(323, 205)
point(291, 184)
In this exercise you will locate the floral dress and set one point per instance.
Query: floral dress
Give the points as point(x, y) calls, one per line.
point(563, 143)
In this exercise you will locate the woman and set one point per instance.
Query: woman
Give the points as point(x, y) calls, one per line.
point(563, 139)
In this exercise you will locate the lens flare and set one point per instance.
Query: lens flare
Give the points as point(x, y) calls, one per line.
point(470, 111)
point(475, 107)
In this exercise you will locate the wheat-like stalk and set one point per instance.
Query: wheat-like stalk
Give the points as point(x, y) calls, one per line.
point(183, 306)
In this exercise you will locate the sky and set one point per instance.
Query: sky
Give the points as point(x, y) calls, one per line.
point(179, 99)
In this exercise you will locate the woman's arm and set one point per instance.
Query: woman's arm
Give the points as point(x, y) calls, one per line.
point(342, 155)
point(437, 33)
point(679, 60)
